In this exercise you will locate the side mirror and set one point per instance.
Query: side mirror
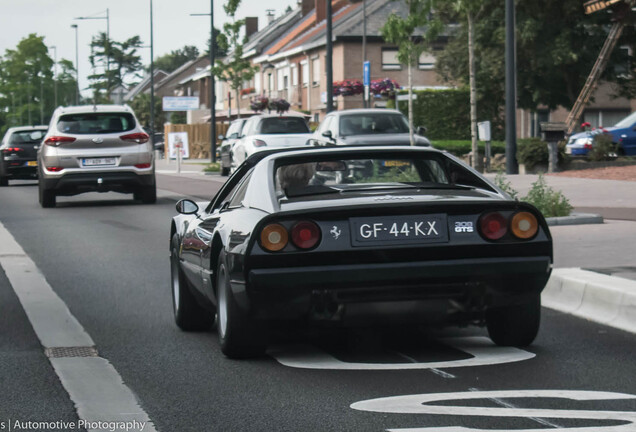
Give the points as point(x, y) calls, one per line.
point(327, 134)
point(421, 130)
point(187, 207)
point(221, 137)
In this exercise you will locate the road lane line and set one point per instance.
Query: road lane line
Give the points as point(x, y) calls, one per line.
point(505, 404)
point(434, 370)
point(93, 384)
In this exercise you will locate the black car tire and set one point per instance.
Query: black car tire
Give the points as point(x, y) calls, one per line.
point(4, 181)
point(516, 325)
point(146, 194)
point(188, 314)
point(46, 196)
point(240, 336)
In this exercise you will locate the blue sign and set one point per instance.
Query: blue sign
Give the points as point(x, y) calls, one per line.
point(367, 73)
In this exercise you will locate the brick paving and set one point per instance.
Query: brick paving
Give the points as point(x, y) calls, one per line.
point(611, 173)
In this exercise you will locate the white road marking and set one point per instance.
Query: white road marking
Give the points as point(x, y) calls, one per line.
point(419, 404)
point(505, 404)
point(482, 349)
point(435, 371)
point(92, 383)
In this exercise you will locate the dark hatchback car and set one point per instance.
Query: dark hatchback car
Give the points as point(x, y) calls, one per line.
point(418, 238)
point(18, 153)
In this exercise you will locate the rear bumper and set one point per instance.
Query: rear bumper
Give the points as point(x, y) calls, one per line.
point(73, 184)
point(405, 290)
point(20, 171)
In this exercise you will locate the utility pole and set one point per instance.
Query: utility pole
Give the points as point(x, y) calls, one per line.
point(152, 83)
point(106, 45)
point(329, 65)
point(364, 46)
point(77, 89)
point(212, 84)
point(54, 48)
point(512, 166)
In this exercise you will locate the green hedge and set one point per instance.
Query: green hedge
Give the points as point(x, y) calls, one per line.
point(444, 113)
point(461, 147)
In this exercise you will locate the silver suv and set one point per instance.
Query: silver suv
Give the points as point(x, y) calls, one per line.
point(99, 148)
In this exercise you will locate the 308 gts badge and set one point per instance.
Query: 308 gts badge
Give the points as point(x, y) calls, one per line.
point(464, 227)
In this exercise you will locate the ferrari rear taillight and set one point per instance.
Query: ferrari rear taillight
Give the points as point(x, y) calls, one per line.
point(57, 140)
point(305, 235)
point(274, 237)
point(139, 138)
point(524, 225)
point(493, 226)
point(259, 143)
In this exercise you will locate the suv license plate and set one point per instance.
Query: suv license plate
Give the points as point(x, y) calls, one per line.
point(399, 230)
point(99, 161)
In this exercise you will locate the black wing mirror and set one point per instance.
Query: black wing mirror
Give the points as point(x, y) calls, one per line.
point(187, 207)
point(421, 130)
point(328, 134)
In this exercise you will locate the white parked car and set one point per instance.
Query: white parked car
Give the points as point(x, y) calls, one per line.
point(267, 131)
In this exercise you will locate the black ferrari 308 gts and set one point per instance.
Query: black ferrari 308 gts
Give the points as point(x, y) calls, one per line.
point(355, 236)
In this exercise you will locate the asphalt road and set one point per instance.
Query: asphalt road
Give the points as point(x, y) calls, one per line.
point(107, 259)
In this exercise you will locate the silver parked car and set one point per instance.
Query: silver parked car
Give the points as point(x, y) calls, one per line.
point(99, 148)
point(371, 126)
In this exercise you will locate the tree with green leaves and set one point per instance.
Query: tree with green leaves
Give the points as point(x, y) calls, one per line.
point(401, 31)
point(234, 69)
point(176, 58)
point(557, 45)
point(27, 83)
point(120, 63)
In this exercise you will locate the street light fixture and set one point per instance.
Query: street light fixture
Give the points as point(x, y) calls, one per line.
point(77, 89)
point(106, 47)
point(212, 84)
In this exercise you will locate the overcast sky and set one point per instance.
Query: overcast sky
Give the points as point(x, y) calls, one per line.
point(173, 25)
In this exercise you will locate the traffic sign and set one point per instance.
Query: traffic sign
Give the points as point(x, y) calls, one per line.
point(181, 103)
point(367, 73)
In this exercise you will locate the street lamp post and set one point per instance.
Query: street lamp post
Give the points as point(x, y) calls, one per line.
point(54, 48)
point(106, 46)
point(511, 91)
point(212, 84)
point(152, 82)
point(77, 89)
point(329, 65)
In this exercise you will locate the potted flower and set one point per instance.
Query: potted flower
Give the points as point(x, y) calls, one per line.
point(259, 104)
point(384, 87)
point(279, 105)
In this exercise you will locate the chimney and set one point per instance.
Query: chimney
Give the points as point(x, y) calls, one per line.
point(270, 15)
point(307, 6)
point(321, 10)
point(251, 26)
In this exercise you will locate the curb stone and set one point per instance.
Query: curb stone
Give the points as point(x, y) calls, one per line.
point(576, 219)
point(608, 300)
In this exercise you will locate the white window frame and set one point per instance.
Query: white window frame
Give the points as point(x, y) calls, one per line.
point(390, 63)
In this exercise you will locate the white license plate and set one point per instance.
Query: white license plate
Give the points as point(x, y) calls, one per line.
point(99, 161)
point(568, 150)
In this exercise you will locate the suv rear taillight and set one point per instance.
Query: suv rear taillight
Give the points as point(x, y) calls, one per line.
point(139, 138)
point(57, 140)
point(493, 226)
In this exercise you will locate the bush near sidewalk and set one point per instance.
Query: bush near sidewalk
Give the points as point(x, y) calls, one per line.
point(551, 203)
point(533, 152)
point(461, 147)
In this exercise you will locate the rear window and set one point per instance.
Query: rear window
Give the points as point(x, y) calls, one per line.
point(372, 123)
point(27, 137)
point(96, 123)
point(363, 174)
point(283, 125)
